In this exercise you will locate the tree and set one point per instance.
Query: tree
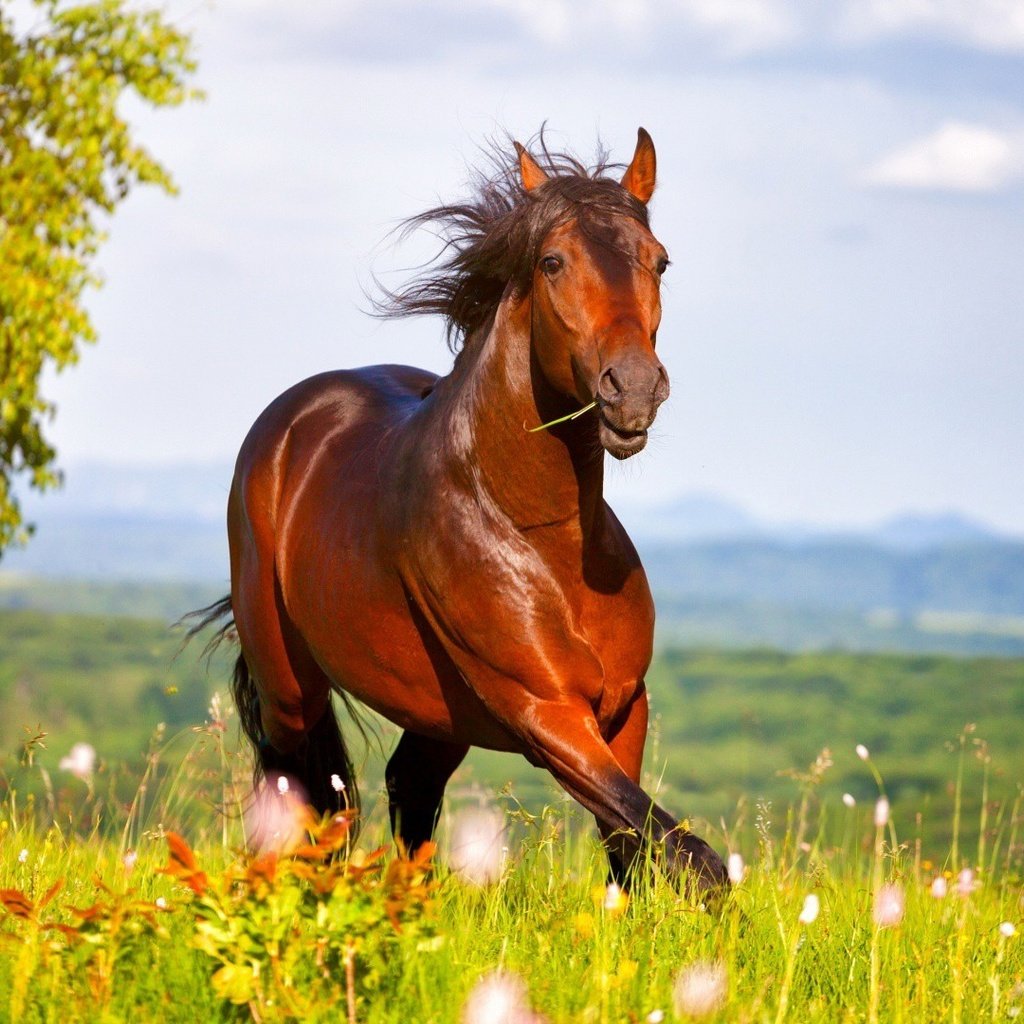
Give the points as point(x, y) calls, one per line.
point(67, 158)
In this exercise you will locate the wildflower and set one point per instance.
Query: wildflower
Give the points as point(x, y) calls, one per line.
point(810, 912)
point(736, 868)
point(80, 762)
point(274, 820)
point(615, 899)
point(128, 860)
point(336, 784)
point(475, 849)
point(216, 713)
point(862, 752)
point(889, 905)
point(498, 998)
point(655, 1017)
point(1007, 930)
point(161, 903)
point(700, 989)
point(849, 800)
point(966, 883)
point(23, 856)
point(939, 887)
point(882, 813)
point(282, 784)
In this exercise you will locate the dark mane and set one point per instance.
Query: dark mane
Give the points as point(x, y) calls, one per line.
point(492, 238)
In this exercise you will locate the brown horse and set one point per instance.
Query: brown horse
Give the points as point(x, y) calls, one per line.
point(407, 540)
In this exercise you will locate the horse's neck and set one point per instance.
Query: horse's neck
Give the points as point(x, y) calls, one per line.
point(536, 479)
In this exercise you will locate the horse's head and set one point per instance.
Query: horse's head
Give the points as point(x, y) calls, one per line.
point(596, 302)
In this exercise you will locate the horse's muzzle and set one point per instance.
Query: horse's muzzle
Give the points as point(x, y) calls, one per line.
point(628, 395)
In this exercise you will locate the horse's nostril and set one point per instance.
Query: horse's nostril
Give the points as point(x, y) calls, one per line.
point(609, 387)
point(661, 388)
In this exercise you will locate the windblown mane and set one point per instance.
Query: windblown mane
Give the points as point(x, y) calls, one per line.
point(493, 237)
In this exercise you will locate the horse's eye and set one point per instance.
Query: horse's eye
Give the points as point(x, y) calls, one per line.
point(551, 265)
point(663, 265)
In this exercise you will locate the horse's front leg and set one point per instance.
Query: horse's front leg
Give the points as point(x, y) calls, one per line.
point(416, 775)
point(626, 742)
point(564, 736)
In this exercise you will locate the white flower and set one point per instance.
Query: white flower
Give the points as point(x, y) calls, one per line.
point(655, 1017)
point(700, 989)
point(498, 998)
point(336, 784)
point(939, 887)
point(128, 860)
point(80, 762)
point(1007, 930)
point(736, 868)
point(615, 899)
point(889, 905)
point(23, 856)
point(282, 784)
point(476, 844)
point(810, 912)
point(161, 903)
point(882, 813)
point(862, 751)
point(849, 800)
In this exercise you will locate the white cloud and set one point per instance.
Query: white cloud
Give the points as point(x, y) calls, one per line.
point(743, 26)
point(988, 24)
point(957, 158)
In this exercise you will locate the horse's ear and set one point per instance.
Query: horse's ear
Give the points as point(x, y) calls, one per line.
point(529, 170)
point(640, 174)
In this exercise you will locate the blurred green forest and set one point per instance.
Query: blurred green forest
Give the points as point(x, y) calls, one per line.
point(726, 727)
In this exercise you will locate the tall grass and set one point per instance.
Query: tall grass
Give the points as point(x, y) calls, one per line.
point(120, 940)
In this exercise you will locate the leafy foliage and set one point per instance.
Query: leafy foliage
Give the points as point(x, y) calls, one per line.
point(67, 157)
point(299, 930)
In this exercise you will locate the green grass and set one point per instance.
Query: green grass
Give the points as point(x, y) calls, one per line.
point(544, 920)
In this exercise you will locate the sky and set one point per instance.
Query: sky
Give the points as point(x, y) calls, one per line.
point(841, 189)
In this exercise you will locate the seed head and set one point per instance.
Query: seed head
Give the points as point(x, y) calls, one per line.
point(849, 800)
point(1007, 930)
point(862, 751)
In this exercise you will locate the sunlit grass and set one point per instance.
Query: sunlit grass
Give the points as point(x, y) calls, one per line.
point(836, 916)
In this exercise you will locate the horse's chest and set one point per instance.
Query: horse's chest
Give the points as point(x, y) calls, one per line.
point(620, 631)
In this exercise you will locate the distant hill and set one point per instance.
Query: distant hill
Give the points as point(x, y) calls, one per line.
point(915, 582)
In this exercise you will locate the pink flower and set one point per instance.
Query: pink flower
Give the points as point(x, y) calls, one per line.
point(275, 820)
point(475, 852)
point(80, 762)
point(128, 860)
point(939, 887)
point(889, 906)
point(700, 989)
point(966, 882)
point(498, 998)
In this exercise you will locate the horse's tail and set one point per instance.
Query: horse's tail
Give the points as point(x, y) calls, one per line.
point(321, 765)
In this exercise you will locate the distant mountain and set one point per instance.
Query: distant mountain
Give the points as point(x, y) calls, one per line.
point(917, 532)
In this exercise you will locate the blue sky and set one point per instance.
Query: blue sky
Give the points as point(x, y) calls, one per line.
point(841, 188)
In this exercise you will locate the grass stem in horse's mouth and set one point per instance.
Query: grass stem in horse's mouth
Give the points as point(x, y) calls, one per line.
point(561, 419)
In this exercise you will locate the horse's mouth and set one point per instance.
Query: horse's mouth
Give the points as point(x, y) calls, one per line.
point(620, 443)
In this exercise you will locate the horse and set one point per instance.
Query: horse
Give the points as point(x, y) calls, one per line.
point(439, 548)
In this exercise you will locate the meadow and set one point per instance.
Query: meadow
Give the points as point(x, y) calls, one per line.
point(841, 910)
